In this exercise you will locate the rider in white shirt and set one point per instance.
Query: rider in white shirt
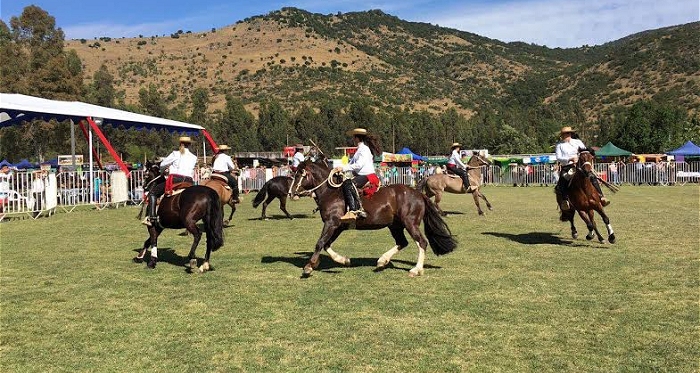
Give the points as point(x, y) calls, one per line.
point(362, 167)
point(181, 165)
point(567, 155)
point(223, 165)
point(456, 166)
point(298, 157)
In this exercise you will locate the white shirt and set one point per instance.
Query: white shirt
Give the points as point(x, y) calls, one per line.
point(362, 162)
point(223, 163)
point(456, 159)
point(180, 163)
point(568, 149)
point(298, 158)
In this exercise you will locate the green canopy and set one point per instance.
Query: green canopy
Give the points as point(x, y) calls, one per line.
point(610, 150)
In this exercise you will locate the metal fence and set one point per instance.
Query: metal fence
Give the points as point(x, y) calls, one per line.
point(35, 193)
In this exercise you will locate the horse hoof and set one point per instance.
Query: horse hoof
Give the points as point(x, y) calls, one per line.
point(415, 272)
point(192, 264)
point(611, 238)
point(151, 264)
point(138, 260)
point(589, 237)
point(226, 223)
point(574, 235)
point(481, 213)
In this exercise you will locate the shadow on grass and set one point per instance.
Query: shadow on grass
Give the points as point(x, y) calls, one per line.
point(166, 255)
point(532, 238)
point(452, 212)
point(283, 217)
point(326, 264)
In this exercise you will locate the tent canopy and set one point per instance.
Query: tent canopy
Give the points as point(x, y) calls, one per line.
point(5, 163)
point(689, 149)
point(24, 164)
point(26, 108)
point(610, 150)
point(416, 157)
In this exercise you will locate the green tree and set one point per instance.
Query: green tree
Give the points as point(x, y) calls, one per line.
point(273, 126)
point(101, 91)
point(200, 103)
point(151, 102)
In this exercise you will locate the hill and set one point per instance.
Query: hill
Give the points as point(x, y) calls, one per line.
point(301, 57)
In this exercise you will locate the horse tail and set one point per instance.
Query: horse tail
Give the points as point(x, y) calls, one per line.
point(214, 221)
point(436, 230)
point(260, 197)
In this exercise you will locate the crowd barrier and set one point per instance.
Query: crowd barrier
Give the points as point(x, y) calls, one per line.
point(36, 193)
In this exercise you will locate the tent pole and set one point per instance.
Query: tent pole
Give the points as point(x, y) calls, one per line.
point(72, 143)
point(92, 181)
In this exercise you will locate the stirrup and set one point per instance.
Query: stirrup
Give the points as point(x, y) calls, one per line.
point(147, 221)
point(349, 216)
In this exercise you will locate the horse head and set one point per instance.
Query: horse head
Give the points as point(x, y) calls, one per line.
point(309, 175)
point(152, 171)
point(477, 161)
point(585, 159)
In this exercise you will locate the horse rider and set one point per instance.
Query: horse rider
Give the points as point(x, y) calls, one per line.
point(362, 167)
point(181, 163)
point(456, 166)
point(298, 157)
point(567, 155)
point(223, 165)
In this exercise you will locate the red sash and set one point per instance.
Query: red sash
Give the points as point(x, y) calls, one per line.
point(372, 185)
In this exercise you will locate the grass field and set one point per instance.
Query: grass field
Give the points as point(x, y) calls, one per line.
point(517, 295)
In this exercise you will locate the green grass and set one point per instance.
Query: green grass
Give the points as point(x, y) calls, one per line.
point(517, 295)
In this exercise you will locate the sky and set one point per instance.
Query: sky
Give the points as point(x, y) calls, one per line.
point(553, 23)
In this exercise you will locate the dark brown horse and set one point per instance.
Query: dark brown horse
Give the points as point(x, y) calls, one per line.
point(277, 187)
point(585, 199)
point(435, 185)
point(184, 210)
point(397, 207)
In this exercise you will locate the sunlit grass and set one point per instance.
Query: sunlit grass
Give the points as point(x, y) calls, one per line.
point(517, 295)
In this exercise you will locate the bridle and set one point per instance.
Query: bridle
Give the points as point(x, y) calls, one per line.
point(582, 165)
point(151, 169)
point(305, 174)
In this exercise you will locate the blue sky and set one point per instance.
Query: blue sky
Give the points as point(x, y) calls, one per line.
point(554, 23)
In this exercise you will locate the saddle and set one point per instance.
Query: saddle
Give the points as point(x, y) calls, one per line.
point(171, 187)
point(222, 178)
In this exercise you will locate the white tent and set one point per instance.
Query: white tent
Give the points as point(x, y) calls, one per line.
point(16, 108)
point(20, 108)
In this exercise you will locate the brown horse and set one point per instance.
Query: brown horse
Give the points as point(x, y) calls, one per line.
point(184, 210)
point(277, 187)
point(584, 199)
point(397, 207)
point(227, 196)
point(435, 185)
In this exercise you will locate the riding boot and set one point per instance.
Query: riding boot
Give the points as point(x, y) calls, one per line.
point(594, 180)
point(351, 205)
point(465, 182)
point(562, 199)
point(358, 203)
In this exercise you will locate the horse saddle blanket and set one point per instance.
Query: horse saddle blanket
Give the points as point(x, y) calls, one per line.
point(171, 187)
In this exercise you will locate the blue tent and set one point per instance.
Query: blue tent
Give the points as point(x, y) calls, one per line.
point(5, 163)
point(689, 149)
point(24, 164)
point(416, 157)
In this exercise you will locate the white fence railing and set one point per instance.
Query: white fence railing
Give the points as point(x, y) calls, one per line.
point(34, 194)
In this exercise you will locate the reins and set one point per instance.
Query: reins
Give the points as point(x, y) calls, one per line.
point(328, 180)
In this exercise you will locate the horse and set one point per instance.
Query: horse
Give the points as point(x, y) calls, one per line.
point(277, 187)
point(227, 196)
point(397, 207)
point(184, 210)
point(435, 185)
point(585, 199)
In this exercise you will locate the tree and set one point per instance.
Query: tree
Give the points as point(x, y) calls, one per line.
point(273, 126)
point(236, 127)
point(101, 91)
point(200, 103)
point(151, 102)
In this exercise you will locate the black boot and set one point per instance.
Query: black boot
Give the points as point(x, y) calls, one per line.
point(562, 199)
point(351, 205)
point(594, 180)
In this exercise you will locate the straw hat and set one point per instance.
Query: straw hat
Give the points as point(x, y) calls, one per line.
point(185, 139)
point(455, 144)
point(357, 131)
point(224, 147)
point(299, 146)
point(567, 129)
